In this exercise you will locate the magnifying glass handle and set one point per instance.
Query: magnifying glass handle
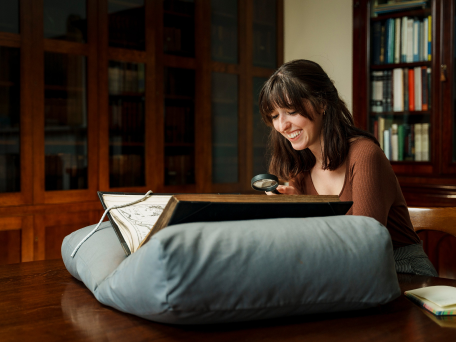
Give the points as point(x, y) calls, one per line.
point(276, 192)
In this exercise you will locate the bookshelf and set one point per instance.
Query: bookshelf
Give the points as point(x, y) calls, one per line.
point(402, 69)
point(125, 96)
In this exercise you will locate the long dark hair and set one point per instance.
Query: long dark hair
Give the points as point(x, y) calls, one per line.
point(294, 86)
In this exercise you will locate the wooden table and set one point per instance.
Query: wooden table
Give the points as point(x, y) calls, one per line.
point(41, 301)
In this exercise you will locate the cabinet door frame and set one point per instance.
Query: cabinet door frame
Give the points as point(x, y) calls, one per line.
point(89, 50)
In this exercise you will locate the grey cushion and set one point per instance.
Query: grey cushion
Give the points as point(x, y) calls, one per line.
point(240, 270)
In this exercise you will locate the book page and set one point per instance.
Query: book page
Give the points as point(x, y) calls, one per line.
point(443, 296)
point(137, 220)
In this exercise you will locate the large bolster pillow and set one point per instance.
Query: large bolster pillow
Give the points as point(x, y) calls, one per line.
point(212, 272)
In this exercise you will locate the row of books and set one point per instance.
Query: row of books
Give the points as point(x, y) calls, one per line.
point(401, 90)
point(179, 125)
point(403, 142)
point(388, 6)
point(65, 112)
point(126, 78)
point(179, 82)
point(224, 42)
point(401, 40)
point(264, 47)
point(65, 171)
point(10, 172)
point(127, 29)
point(126, 170)
point(172, 39)
point(179, 169)
point(127, 120)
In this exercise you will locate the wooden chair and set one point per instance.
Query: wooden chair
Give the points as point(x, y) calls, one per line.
point(437, 229)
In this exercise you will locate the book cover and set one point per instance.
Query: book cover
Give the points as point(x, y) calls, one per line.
point(406, 90)
point(429, 87)
point(425, 39)
point(439, 300)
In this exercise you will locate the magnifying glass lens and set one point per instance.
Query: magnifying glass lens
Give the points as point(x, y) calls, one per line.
point(265, 183)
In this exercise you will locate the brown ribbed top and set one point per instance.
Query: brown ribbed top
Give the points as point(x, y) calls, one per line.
point(371, 184)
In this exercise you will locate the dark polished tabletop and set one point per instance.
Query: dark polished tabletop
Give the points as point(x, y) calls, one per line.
point(41, 301)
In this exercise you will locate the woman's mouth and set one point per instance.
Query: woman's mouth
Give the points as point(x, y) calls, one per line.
point(294, 134)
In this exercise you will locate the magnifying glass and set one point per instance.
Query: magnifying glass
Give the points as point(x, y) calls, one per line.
point(265, 182)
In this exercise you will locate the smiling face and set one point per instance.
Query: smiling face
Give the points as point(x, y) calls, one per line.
point(300, 131)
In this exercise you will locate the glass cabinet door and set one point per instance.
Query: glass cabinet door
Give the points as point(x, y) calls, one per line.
point(65, 20)
point(126, 124)
point(224, 31)
point(10, 174)
point(65, 115)
point(9, 16)
point(401, 108)
point(265, 33)
point(260, 132)
point(225, 146)
point(179, 27)
point(127, 24)
point(179, 126)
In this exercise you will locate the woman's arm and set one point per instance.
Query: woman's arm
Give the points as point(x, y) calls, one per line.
point(374, 183)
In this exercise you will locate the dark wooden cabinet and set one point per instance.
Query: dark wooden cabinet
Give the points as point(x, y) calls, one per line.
point(430, 181)
point(130, 95)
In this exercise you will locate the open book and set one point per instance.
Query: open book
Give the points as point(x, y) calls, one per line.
point(135, 224)
point(440, 300)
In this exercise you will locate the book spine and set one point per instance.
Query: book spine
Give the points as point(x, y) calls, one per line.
point(386, 143)
point(425, 39)
point(382, 44)
point(376, 41)
point(429, 57)
point(410, 38)
point(397, 41)
point(425, 156)
point(416, 31)
point(429, 88)
point(418, 142)
point(404, 31)
point(411, 89)
point(401, 142)
point(406, 89)
point(381, 128)
point(417, 78)
point(424, 88)
point(398, 90)
point(394, 143)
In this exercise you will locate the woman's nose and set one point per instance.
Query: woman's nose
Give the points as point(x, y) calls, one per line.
point(283, 123)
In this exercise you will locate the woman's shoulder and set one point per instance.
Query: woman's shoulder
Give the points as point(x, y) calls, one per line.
point(365, 149)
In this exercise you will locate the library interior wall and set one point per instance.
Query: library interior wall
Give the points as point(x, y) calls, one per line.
point(321, 31)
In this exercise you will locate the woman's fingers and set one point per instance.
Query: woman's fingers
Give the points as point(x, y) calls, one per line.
point(285, 190)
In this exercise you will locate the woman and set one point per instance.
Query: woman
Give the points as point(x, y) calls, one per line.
point(319, 151)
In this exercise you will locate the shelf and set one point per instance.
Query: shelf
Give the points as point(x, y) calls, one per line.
point(127, 94)
point(63, 88)
point(179, 97)
point(400, 113)
point(179, 144)
point(410, 162)
point(65, 143)
point(400, 65)
point(224, 15)
point(138, 144)
point(422, 12)
point(8, 84)
point(178, 14)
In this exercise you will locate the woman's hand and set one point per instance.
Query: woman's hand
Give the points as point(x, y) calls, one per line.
point(285, 190)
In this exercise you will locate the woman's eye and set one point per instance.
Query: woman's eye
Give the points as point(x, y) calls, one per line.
point(274, 116)
point(292, 113)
